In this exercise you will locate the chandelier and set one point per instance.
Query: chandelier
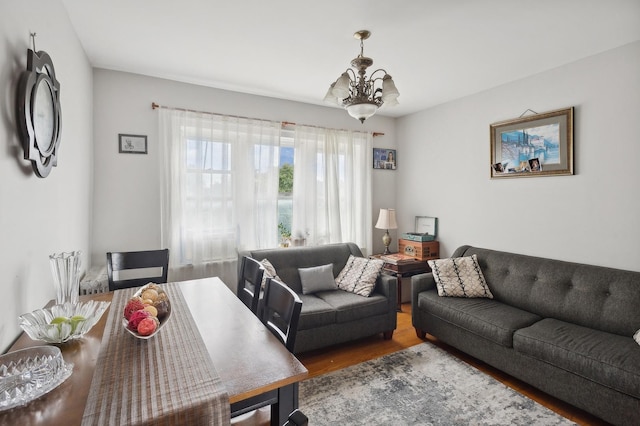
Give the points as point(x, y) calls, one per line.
point(362, 96)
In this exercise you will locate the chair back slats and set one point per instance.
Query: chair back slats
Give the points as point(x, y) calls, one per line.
point(281, 311)
point(137, 260)
point(250, 283)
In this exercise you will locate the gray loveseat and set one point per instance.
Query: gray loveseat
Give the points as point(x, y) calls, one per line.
point(565, 328)
point(334, 316)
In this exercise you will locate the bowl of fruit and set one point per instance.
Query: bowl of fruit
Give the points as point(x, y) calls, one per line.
point(61, 323)
point(147, 311)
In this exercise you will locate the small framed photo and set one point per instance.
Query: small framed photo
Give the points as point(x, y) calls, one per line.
point(132, 144)
point(384, 158)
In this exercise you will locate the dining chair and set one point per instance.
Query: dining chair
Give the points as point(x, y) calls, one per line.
point(297, 418)
point(281, 308)
point(250, 283)
point(137, 265)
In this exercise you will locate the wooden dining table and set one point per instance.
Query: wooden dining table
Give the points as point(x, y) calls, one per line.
point(248, 359)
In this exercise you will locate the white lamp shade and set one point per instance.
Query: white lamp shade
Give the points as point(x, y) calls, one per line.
point(389, 90)
point(387, 219)
point(341, 86)
point(390, 102)
point(362, 111)
point(329, 97)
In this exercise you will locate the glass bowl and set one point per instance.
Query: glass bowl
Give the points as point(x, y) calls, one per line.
point(70, 321)
point(30, 373)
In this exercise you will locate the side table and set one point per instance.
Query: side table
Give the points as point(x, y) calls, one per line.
point(401, 270)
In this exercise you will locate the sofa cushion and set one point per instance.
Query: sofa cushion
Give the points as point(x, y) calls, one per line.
point(359, 275)
point(317, 278)
point(350, 306)
point(459, 277)
point(315, 312)
point(608, 359)
point(486, 318)
point(269, 272)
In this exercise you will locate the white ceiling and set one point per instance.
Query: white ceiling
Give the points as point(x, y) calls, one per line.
point(436, 50)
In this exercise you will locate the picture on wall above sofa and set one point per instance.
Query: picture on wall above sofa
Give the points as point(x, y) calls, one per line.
point(536, 145)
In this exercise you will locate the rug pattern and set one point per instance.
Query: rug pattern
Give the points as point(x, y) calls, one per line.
point(421, 385)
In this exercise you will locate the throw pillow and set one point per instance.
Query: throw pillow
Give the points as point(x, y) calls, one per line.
point(637, 337)
point(317, 278)
point(459, 277)
point(359, 275)
point(269, 272)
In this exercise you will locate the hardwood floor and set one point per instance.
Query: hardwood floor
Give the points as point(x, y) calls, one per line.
point(340, 356)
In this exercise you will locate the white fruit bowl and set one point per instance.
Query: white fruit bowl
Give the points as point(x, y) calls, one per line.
point(162, 321)
point(37, 324)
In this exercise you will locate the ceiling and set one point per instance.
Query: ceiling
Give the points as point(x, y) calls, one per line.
point(436, 50)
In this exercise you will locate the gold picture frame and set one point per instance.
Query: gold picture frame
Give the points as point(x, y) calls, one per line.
point(537, 145)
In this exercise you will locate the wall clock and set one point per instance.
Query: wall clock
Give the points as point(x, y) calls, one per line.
point(39, 113)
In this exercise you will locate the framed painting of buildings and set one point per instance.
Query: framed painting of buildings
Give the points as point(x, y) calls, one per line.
point(537, 145)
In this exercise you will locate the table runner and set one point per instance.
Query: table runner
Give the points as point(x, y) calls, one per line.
point(167, 379)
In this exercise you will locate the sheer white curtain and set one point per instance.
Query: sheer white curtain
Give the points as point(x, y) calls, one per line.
point(219, 189)
point(332, 186)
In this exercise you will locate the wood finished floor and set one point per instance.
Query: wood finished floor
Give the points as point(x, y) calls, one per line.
point(340, 356)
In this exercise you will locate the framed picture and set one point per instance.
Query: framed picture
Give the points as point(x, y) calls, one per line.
point(132, 144)
point(537, 145)
point(384, 158)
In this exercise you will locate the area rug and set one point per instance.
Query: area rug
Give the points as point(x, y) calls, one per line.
point(421, 385)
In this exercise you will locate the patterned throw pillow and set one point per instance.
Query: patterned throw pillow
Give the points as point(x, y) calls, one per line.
point(459, 277)
point(359, 275)
point(637, 337)
point(269, 272)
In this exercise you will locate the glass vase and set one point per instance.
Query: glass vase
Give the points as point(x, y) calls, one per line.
point(65, 268)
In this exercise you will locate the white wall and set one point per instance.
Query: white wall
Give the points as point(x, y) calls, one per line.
point(127, 203)
point(41, 216)
point(591, 217)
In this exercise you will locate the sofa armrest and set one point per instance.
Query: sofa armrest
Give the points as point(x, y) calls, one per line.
point(420, 283)
point(387, 285)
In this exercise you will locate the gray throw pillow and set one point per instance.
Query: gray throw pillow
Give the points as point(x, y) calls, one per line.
point(317, 278)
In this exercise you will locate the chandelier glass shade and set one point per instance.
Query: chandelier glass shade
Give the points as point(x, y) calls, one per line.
point(359, 94)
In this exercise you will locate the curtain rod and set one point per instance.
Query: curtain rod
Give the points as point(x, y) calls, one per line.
point(284, 123)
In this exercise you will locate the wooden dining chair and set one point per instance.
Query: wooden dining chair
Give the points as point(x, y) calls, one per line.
point(250, 283)
point(281, 308)
point(137, 264)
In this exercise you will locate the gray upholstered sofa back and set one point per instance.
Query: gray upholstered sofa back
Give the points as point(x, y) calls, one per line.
point(597, 297)
point(288, 260)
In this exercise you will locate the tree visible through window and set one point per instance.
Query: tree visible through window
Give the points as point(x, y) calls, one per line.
point(285, 189)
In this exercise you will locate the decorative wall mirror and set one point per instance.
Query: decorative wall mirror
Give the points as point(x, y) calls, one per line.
point(39, 114)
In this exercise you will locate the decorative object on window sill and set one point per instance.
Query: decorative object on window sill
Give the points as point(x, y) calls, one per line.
point(384, 158)
point(386, 221)
point(362, 96)
point(132, 144)
point(39, 112)
point(535, 145)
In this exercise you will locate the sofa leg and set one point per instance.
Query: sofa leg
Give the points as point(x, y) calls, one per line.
point(420, 333)
point(387, 335)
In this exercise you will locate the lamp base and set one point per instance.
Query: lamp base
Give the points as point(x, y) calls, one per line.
point(386, 240)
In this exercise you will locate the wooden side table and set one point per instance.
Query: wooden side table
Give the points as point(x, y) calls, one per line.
point(401, 270)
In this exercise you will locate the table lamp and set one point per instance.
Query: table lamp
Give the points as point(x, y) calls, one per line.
point(386, 221)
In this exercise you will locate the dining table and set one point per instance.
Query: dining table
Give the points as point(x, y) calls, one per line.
point(212, 359)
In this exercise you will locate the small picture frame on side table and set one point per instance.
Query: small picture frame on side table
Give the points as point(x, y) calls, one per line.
point(132, 144)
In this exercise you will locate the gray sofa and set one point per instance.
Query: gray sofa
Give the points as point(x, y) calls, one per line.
point(565, 328)
point(335, 316)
